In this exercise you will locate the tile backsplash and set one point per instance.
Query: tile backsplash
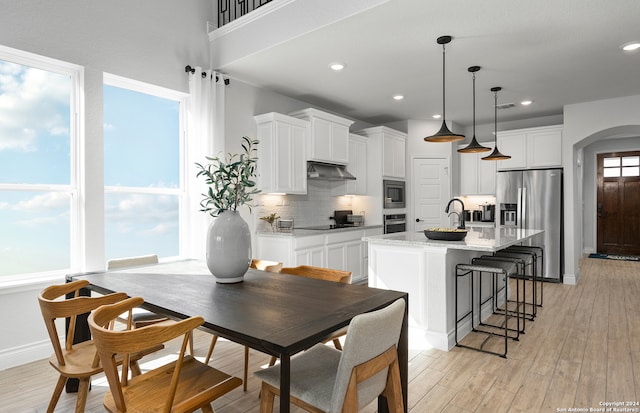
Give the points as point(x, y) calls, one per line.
point(311, 209)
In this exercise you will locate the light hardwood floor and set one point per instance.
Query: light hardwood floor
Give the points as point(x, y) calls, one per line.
point(582, 350)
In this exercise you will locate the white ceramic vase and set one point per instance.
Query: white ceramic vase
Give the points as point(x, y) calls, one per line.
point(228, 247)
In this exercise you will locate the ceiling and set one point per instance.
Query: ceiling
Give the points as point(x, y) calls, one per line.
point(554, 52)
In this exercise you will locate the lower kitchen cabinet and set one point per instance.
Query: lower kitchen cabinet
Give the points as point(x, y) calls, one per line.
point(342, 250)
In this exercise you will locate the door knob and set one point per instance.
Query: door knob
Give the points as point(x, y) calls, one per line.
point(600, 209)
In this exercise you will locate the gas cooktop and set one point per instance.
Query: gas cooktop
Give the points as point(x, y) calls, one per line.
point(327, 227)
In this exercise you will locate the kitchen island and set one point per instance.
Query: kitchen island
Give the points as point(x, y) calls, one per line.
point(410, 262)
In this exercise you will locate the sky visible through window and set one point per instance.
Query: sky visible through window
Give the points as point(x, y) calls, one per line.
point(141, 150)
point(34, 149)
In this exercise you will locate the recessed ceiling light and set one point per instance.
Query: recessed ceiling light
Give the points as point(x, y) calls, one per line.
point(398, 97)
point(631, 46)
point(526, 102)
point(337, 66)
point(437, 116)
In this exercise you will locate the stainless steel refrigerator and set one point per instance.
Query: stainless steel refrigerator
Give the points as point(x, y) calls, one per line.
point(533, 199)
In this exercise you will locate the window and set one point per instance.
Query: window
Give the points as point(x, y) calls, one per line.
point(621, 166)
point(142, 169)
point(38, 184)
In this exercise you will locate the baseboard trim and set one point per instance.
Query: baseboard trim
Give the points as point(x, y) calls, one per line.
point(20, 355)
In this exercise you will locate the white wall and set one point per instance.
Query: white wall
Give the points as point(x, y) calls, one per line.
point(146, 40)
point(584, 124)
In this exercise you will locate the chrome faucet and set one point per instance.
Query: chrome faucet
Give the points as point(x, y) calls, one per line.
point(460, 215)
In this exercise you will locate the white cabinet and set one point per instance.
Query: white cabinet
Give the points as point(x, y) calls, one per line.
point(345, 251)
point(341, 250)
point(531, 148)
point(477, 177)
point(357, 166)
point(310, 250)
point(328, 137)
point(388, 147)
point(282, 163)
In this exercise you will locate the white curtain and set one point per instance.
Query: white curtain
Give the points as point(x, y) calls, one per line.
point(205, 137)
point(206, 112)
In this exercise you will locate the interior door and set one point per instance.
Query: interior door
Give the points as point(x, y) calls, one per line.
point(618, 203)
point(431, 192)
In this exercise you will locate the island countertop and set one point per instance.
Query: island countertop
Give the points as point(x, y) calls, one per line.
point(488, 239)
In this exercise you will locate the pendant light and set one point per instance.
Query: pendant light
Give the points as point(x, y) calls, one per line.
point(474, 146)
point(444, 134)
point(496, 155)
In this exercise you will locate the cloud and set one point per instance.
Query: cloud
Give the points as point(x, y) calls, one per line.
point(33, 103)
point(48, 201)
point(142, 213)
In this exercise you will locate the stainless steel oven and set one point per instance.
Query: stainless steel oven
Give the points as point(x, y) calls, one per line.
point(394, 223)
point(394, 194)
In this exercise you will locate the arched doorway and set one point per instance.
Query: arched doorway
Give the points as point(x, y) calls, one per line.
point(613, 140)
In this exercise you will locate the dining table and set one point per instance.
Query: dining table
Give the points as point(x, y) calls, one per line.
point(277, 314)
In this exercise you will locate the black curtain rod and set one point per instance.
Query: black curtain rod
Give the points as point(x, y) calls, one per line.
point(189, 69)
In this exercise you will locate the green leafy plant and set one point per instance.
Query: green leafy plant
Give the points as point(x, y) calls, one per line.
point(231, 180)
point(271, 219)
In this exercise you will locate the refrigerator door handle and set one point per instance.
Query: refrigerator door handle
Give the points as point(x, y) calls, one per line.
point(519, 208)
point(523, 200)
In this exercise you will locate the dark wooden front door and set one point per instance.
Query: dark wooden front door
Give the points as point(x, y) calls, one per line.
point(618, 203)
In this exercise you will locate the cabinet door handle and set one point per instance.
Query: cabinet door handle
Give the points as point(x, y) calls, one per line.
point(419, 220)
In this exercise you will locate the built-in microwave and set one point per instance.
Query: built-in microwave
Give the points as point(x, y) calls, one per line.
point(393, 193)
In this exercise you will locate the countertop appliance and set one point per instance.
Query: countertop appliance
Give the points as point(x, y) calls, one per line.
point(393, 193)
point(532, 199)
point(342, 218)
point(488, 213)
point(394, 223)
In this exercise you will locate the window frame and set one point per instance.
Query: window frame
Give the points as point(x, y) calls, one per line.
point(76, 116)
point(181, 192)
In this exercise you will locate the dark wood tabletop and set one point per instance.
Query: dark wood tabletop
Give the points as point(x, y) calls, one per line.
point(278, 314)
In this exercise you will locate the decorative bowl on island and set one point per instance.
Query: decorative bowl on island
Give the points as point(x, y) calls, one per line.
point(446, 234)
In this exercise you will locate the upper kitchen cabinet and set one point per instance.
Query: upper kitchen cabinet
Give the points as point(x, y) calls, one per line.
point(282, 161)
point(328, 137)
point(531, 148)
point(357, 166)
point(390, 144)
point(477, 177)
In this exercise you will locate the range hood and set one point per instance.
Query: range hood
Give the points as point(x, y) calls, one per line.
point(328, 172)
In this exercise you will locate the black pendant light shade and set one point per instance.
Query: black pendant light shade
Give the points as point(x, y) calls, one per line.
point(474, 146)
point(444, 134)
point(496, 155)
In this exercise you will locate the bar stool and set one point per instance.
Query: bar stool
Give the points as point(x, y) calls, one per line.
point(526, 269)
point(520, 303)
point(537, 253)
point(495, 268)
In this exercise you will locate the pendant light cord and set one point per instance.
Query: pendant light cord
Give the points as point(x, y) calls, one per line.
point(474, 104)
point(443, 86)
point(495, 119)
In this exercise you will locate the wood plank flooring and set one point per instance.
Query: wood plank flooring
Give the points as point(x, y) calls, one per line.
point(582, 350)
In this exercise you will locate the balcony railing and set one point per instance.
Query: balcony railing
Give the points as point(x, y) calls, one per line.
point(229, 10)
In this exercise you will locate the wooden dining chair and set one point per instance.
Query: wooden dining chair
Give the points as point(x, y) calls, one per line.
point(328, 380)
point(264, 265)
point(141, 317)
point(183, 385)
point(79, 361)
point(321, 273)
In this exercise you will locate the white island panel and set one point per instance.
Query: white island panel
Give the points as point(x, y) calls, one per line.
point(426, 270)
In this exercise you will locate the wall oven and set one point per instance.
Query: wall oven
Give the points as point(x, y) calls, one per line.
point(394, 223)
point(393, 193)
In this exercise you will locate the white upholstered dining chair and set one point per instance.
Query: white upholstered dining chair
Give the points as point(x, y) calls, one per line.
point(324, 379)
